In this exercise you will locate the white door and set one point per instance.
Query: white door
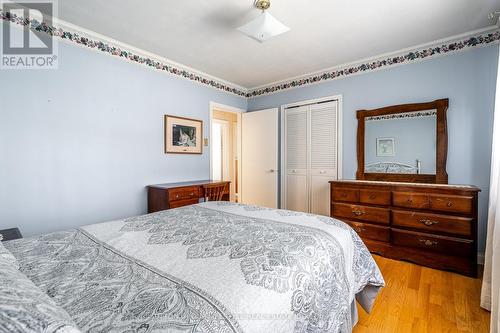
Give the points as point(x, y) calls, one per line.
point(296, 159)
point(259, 158)
point(323, 129)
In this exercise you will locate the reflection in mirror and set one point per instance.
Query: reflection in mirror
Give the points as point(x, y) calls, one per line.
point(402, 143)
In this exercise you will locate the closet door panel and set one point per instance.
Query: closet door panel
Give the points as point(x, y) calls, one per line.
point(323, 129)
point(323, 155)
point(320, 205)
point(296, 159)
point(296, 197)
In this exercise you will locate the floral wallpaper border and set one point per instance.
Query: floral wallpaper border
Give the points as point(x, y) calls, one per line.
point(467, 42)
point(416, 114)
point(34, 25)
point(415, 55)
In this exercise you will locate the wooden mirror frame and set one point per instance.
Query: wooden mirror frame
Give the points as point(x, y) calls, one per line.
point(441, 176)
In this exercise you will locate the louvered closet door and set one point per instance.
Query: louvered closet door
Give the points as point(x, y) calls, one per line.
point(323, 155)
point(296, 159)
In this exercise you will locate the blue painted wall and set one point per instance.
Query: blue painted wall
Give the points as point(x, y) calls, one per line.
point(78, 144)
point(468, 79)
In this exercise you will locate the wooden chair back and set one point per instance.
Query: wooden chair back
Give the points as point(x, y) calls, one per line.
point(214, 192)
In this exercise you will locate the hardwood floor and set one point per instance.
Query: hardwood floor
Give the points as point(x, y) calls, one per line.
point(421, 299)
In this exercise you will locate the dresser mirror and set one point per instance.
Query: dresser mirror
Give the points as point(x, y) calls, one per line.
point(405, 143)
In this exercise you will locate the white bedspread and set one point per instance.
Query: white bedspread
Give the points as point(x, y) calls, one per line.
point(212, 267)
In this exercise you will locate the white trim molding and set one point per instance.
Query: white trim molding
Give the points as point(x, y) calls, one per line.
point(454, 44)
point(226, 108)
point(73, 34)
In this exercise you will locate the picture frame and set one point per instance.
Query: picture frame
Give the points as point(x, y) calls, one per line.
point(385, 147)
point(183, 135)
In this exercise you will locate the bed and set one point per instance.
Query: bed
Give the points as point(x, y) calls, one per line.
point(211, 267)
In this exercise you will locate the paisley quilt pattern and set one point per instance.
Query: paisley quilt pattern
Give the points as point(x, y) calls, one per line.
point(179, 271)
point(24, 308)
point(273, 255)
point(104, 291)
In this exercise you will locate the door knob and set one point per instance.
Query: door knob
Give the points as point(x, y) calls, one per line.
point(273, 170)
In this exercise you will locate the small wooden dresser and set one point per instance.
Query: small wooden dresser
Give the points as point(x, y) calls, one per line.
point(428, 224)
point(174, 195)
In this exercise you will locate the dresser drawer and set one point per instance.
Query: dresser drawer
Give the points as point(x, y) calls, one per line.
point(440, 244)
point(360, 212)
point(451, 203)
point(410, 200)
point(370, 231)
point(433, 222)
point(345, 194)
point(183, 193)
point(375, 197)
point(182, 203)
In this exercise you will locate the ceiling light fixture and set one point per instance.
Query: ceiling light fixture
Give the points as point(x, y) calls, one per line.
point(495, 15)
point(492, 15)
point(265, 26)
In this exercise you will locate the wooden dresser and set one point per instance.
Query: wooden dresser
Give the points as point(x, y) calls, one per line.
point(174, 195)
point(429, 224)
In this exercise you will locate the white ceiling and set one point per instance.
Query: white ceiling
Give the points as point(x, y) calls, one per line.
point(324, 33)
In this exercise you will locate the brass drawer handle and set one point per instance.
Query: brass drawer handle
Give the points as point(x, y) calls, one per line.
point(359, 229)
point(191, 194)
point(373, 196)
point(410, 200)
point(428, 242)
point(357, 212)
point(449, 204)
point(177, 196)
point(428, 222)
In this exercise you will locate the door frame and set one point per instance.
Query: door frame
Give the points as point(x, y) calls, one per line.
point(231, 109)
point(282, 160)
point(224, 142)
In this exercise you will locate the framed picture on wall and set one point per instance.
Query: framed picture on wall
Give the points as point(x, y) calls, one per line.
point(385, 147)
point(183, 135)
